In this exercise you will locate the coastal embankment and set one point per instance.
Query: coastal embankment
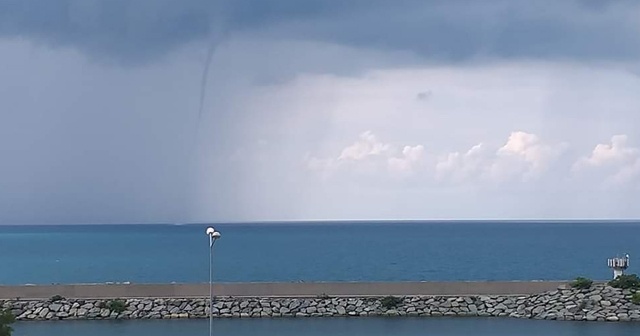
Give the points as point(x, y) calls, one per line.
point(524, 299)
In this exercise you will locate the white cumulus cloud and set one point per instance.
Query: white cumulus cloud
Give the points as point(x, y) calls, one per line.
point(523, 156)
point(369, 155)
point(408, 161)
point(367, 146)
point(615, 153)
point(617, 161)
point(459, 167)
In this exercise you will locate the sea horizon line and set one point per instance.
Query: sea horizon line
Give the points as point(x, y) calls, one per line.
point(352, 221)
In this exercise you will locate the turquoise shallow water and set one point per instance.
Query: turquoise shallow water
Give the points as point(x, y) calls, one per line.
point(333, 326)
point(391, 251)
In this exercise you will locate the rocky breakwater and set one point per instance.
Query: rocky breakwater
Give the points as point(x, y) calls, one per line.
point(599, 303)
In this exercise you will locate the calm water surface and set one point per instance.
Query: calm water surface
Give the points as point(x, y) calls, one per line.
point(331, 326)
point(391, 251)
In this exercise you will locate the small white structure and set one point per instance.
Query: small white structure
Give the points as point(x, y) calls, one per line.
point(618, 265)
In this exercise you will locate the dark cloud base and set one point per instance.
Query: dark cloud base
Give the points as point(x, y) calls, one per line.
point(136, 31)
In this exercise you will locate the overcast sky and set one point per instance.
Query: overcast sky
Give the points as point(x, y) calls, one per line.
point(318, 109)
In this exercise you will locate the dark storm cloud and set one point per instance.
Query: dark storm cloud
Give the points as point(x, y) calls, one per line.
point(85, 142)
point(139, 30)
point(142, 29)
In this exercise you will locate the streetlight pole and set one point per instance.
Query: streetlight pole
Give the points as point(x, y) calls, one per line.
point(213, 236)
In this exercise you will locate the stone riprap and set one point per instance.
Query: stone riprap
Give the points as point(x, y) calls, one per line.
point(600, 303)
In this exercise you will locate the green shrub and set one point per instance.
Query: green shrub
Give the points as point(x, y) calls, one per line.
point(627, 281)
point(56, 298)
point(390, 302)
point(6, 319)
point(635, 298)
point(582, 283)
point(117, 306)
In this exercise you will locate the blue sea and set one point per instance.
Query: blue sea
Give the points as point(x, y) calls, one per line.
point(335, 251)
point(331, 326)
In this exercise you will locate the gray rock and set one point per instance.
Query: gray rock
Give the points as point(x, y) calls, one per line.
point(601, 303)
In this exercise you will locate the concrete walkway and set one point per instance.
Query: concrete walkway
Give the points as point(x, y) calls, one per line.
point(96, 291)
